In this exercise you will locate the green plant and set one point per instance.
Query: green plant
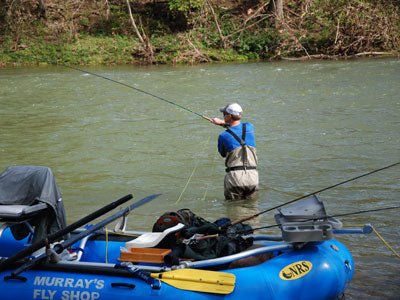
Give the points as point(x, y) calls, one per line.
point(185, 5)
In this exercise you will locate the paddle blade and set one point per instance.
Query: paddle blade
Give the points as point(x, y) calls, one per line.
point(198, 280)
point(143, 201)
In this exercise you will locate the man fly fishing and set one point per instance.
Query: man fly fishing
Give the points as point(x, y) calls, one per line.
point(237, 144)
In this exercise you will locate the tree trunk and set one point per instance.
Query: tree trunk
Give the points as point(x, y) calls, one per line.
point(134, 23)
point(221, 36)
point(144, 40)
point(42, 9)
point(276, 7)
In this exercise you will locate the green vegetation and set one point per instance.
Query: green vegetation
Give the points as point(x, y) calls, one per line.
point(193, 31)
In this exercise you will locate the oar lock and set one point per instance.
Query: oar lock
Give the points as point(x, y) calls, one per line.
point(306, 221)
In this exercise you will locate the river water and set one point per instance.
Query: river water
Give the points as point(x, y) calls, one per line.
point(317, 123)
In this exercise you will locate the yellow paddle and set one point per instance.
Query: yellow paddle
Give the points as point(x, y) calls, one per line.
point(198, 280)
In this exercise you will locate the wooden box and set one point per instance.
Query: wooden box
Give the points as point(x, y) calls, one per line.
point(150, 255)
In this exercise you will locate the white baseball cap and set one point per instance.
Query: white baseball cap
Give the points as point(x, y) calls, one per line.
point(233, 109)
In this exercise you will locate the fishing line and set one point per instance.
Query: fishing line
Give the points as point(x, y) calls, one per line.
point(316, 192)
point(191, 175)
point(149, 94)
point(212, 172)
point(366, 211)
point(333, 216)
point(132, 87)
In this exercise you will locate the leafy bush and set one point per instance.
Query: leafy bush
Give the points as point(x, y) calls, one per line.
point(186, 5)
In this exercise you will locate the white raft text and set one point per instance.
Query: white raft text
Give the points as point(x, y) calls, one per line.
point(45, 283)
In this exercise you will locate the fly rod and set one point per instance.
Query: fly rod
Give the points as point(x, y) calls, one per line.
point(58, 248)
point(63, 232)
point(134, 88)
point(311, 194)
point(333, 216)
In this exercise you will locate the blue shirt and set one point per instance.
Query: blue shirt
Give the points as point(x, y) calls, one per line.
point(226, 141)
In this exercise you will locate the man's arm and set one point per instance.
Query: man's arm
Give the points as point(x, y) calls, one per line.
point(218, 121)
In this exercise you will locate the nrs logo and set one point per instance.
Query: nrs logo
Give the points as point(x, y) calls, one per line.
point(295, 270)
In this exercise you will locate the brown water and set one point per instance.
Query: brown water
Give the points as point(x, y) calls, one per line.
point(317, 123)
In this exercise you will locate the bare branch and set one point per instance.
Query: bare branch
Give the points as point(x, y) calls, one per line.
point(108, 10)
point(337, 30)
point(223, 39)
point(203, 56)
point(325, 56)
point(134, 24)
point(254, 15)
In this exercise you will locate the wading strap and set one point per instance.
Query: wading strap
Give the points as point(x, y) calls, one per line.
point(242, 142)
point(240, 168)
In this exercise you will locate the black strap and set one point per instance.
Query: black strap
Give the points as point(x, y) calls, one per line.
point(242, 141)
point(240, 168)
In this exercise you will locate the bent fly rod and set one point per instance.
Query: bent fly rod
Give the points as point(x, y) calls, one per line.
point(134, 88)
point(311, 194)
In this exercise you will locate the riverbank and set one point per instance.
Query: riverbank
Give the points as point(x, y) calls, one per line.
point(173, 32)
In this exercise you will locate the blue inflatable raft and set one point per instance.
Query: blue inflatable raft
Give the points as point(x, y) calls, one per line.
point(319, 270)
point(43, 258)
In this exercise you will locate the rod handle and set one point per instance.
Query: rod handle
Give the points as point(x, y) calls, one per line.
point(207, 118)
point(207, 237)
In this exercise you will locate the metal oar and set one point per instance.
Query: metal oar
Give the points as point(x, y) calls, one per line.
point(58, 248)
point(57, 235)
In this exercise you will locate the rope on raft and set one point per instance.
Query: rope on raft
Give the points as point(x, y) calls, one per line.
point(380, 237)
point(114, 232)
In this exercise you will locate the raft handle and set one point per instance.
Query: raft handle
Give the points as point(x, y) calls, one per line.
point(122, 284)
point(347, 264)
point(15, 277)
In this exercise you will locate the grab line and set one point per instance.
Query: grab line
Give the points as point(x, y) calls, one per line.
point(379, 236)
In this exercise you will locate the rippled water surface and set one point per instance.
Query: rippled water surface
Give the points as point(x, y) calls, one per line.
point(317, 124)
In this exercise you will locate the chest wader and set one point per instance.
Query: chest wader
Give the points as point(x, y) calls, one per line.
point(241, 179)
